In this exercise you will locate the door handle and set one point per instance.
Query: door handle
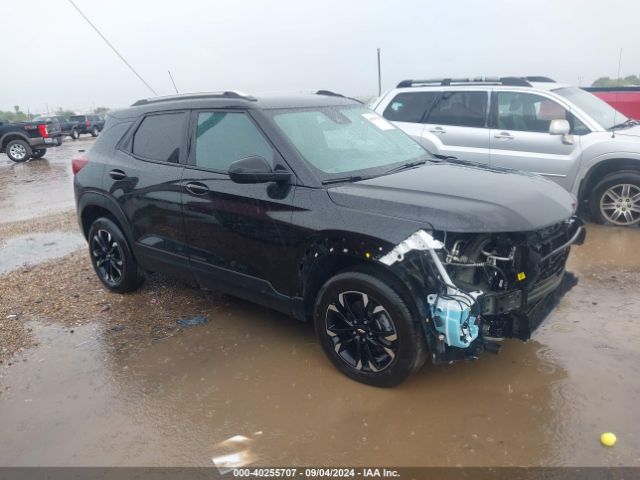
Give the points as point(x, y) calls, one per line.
point(117, 174)
point(503, 136)
point(438, 130)
point(197, 188)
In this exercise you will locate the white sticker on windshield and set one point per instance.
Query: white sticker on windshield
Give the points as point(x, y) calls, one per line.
point(378, 121)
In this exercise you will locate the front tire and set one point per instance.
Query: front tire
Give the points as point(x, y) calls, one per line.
point(18, 151)
point(75, 134)
point(616, 199)
point(95, 132)
point(367, 330)
point(112, 258)
point(38, 153)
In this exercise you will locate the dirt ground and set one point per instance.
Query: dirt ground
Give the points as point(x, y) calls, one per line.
point(93, 378)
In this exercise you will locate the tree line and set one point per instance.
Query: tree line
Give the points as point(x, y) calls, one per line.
point(631, 80)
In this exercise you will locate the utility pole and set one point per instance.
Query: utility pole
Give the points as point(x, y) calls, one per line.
point(379, 75)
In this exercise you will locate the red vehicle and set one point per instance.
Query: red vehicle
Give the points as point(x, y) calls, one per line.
point(624, 99)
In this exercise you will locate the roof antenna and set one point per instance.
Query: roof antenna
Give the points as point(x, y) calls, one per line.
point(615, 110)
point(174, 83)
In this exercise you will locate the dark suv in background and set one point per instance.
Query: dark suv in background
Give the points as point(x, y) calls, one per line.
point(91, 124)
point(318, 207)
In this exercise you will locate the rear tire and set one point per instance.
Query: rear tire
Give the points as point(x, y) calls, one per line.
point(18, 151)
point(367, 329)
point(39, 153)
point(615, 200)
point(112, 258)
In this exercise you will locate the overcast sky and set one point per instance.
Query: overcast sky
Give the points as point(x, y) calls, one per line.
point(51, 56)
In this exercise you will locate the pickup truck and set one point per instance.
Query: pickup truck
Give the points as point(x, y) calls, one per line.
point(88, 124)
point(624, 99)
point(67, 127)
point(24, 140)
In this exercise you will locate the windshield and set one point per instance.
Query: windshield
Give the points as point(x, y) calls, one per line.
point(599, 110)
point(340, 139)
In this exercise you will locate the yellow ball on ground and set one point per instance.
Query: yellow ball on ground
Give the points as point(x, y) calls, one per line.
point(608, 439)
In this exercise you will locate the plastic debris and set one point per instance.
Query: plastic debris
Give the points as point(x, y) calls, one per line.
point(608, 439)
point(193, 321)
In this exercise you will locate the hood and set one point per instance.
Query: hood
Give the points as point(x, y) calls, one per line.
point(629, 132)
point(461, 198)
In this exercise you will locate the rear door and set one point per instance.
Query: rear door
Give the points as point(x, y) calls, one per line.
point(145, 178)
point(520, 136)
point(457, 125)
point(407, 110)
point(237, 233)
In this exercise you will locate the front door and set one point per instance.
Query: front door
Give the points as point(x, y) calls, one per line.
point(237, 232)
point(520, 136)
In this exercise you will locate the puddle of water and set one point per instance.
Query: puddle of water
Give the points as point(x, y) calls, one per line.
point(36, 248)
point(252, 373)
point(608, 247)
point(30, 189)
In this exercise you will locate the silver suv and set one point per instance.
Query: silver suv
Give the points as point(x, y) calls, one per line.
point(528, 123)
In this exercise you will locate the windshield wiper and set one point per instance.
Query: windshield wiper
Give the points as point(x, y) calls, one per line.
point(404, 166)
point(351, 178)
point(630, 122)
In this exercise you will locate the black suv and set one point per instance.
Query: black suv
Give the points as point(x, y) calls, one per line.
point(318, 207)
point(92, 124)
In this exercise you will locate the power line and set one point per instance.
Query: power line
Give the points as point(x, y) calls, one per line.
point(112, 47)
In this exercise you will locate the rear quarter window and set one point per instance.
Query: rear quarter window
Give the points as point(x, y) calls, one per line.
point(409, 106)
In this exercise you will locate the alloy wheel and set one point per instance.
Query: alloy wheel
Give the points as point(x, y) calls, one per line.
point(620, 204)
point(18, 151)
point(107, 256)
point(362, 332)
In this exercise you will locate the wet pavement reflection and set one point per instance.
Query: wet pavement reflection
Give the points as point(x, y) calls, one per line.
point(39, 186)
point(254, 373)
point(36, 248)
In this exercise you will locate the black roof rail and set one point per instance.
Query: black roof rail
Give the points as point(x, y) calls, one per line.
point(508, 81)
point(539, 79)
point(195, 96)
point(329, 93)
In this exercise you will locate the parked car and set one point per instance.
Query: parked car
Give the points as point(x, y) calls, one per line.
point(623, 99)
point(67, 127)
point(531, 123)
point(318, 207)
point(91, 124)
point(24, 140)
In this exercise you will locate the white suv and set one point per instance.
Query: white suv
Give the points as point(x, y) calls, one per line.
point(528, 123)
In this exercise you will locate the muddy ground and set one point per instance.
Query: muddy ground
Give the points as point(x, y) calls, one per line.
point(92, 378)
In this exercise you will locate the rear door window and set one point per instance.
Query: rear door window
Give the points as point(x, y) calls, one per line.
point(159, 137)
point(409, 106)
point(463, 109)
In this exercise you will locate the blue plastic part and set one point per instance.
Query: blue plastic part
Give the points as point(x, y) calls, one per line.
point(452, 318)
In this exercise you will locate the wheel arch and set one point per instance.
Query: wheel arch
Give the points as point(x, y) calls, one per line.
point(93, 205)
point(335, 252)
point(598, 171)
point(7, 137)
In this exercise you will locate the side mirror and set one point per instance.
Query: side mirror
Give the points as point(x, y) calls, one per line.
point(255, 169)
point(559, 127)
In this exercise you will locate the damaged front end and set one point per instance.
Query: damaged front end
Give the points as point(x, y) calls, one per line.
point(481, 288)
